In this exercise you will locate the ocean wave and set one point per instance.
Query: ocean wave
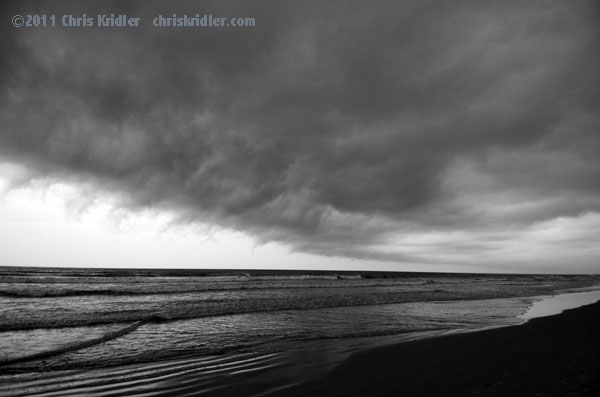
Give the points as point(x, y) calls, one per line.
point(86, 310)
point(76, 345)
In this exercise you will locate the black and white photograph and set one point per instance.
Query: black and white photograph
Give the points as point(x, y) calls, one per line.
point(273, 198)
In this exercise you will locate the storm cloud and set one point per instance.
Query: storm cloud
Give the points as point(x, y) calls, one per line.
point(356, 129)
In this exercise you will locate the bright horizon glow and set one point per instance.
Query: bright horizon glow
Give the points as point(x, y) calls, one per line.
point(41, 221)
point(54, 224)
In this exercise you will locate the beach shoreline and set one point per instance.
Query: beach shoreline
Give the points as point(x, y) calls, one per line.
point(264, 373)
point(556, 355)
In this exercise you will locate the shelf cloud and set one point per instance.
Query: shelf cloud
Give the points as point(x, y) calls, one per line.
point(424, 132)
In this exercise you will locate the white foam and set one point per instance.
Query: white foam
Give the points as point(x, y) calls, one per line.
point(552, 305)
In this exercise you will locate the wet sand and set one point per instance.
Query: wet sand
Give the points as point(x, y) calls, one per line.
point(550, 356)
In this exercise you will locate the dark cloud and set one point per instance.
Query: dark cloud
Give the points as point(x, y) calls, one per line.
point(327, 126)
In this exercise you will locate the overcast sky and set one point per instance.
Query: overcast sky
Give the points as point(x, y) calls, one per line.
point(410, 135)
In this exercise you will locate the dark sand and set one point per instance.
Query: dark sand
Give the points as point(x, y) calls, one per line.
point(549, 356)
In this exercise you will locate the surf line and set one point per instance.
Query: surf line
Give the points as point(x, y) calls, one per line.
point(80, 345)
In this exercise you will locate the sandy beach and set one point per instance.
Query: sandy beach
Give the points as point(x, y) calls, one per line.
point(550, 356)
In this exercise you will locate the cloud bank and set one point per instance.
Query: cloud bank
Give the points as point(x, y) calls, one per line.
point(420, 131)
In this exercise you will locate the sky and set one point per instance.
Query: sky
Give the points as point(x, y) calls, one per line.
point(380, 135)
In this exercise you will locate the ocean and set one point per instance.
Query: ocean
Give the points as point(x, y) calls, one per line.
point(125, 332)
